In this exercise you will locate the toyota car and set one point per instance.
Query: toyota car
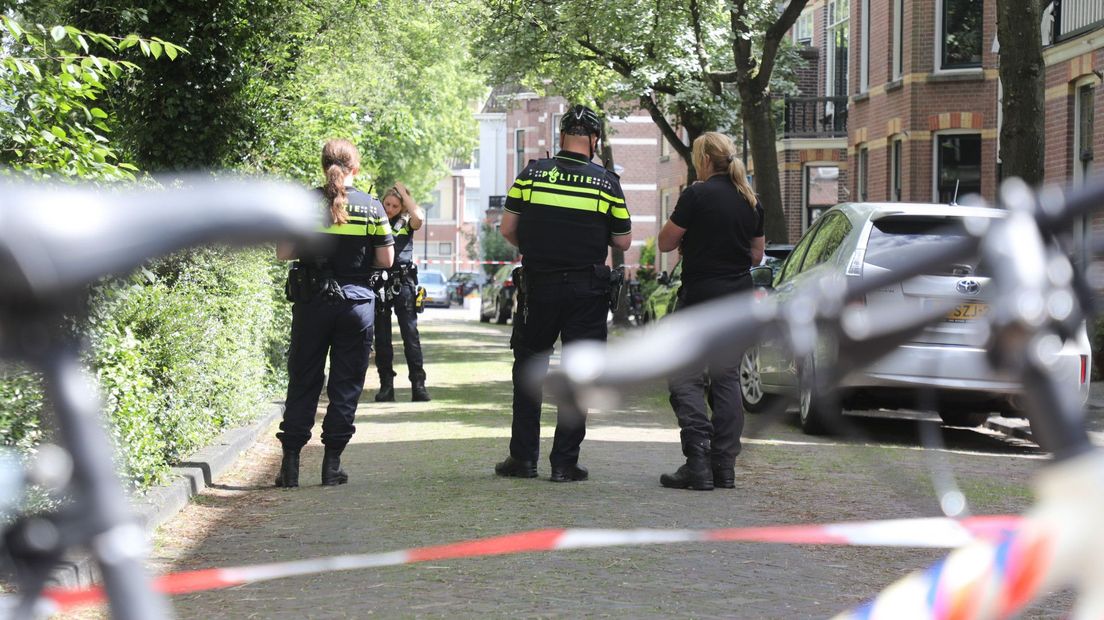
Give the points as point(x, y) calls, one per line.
point(945, 363)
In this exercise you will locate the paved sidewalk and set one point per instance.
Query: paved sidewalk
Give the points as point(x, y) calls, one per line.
point(421, 473)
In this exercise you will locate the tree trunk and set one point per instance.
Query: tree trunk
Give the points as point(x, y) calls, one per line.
point(621, 315)
point(756, 112)
point(1022, 144)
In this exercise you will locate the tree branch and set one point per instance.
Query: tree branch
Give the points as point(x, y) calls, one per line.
point(649, 103)
point(699, 48)
point(773, 38)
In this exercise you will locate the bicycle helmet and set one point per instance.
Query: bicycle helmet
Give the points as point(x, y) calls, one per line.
point(581, 121)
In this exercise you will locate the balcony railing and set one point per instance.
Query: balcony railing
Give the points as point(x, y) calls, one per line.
point(815, 117)
point(1073, 17)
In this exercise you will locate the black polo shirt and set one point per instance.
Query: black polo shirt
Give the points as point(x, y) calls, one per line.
point(568, 208)
point(720, 224)
point(351, 256)
point(404, 240)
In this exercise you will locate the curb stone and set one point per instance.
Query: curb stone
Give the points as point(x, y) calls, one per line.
point(188, 478)
point(1014, 427)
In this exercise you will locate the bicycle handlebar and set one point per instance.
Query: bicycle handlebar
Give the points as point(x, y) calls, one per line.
point(49, 250)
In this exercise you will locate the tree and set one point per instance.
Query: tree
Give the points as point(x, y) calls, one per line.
point(495, 247)
point(672, 59)
point(1022, 134)
point(51, 82)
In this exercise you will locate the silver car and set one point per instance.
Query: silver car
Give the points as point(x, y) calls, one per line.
point(946, 361)
point(436, 290)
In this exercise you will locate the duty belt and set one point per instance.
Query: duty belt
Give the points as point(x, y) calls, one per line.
point(551, 277)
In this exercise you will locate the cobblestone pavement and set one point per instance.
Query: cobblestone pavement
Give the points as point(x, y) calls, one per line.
point(421, 473)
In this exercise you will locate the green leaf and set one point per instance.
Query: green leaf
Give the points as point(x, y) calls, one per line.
point(155, 49)
point(128, 41)
point(58, 131)
point(144, 46)
point(170, 51)
point(98, 113)
point(57, 33)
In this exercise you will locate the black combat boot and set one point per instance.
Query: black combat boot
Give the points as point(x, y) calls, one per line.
point(696, 474)
point(386, 393)
point(569, 473)
point(332, 474)
point(516, 468)
point(289, 469)
point(418, 392)
point(724, 476)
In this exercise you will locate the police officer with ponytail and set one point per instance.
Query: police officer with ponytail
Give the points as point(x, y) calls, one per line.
point(332, 315)
point(563, 213)
point(404, 216)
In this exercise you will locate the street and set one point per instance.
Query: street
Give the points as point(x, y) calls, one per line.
point(421, 474)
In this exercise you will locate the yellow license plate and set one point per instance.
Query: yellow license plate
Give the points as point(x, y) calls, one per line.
point(968, 312)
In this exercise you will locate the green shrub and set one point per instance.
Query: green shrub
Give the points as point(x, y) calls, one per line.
point(182, 350)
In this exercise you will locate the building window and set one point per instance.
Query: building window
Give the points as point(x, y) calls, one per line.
point(895, 171)
point(803, 29)
point(1083, 134)
point(444, 248)
point(556, 133)
point(475, 158)
point(960, 30)
point(864, 173)
point(864, 41)
point(957, 166)
point(837, 44)
point(821, 191)
point(472, 210)
point(898, 38)
point(519, 150)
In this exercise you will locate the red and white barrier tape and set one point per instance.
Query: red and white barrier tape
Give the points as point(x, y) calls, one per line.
point(929, 532)
point(466, 263)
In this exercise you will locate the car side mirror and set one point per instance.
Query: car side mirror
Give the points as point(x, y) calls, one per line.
point(762, 276)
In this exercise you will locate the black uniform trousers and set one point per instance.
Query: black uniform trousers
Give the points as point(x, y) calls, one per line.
point(570, 306)
point(344, 331)
point(403, 306)
point(719, 383)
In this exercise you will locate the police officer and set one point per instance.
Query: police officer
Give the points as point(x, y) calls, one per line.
point(332, 314)
point(562, 213)
point(404, 217)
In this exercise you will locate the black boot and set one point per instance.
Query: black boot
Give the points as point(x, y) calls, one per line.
point(386, 393)
point(724, 477)
point(696, 474)
point(289, 469)
point(516, 468)
point(418, 392)
point(332, 474)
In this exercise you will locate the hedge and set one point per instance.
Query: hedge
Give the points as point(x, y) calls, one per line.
point(182, 349)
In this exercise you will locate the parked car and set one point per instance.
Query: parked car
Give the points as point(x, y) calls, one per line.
point(434, 284)
point(856, 239)
point(461, 283)
point(662, 299)
point(498, 296)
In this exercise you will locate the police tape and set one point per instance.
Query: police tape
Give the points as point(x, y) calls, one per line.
point(936, 532)
point(465, 263)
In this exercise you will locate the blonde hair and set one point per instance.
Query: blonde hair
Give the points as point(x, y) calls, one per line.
point(722, 156)
point(339, 159)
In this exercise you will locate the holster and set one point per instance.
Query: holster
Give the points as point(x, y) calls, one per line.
point(302, 282)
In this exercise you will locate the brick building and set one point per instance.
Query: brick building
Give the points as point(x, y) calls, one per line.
point(919, 79)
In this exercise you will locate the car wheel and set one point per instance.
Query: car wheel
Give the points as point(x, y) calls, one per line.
point(819, 413)
point(502, 312)
point(483, 316)
point(959, 417)
point(751, 384)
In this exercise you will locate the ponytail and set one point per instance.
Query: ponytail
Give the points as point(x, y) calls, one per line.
point(339, 159)
point(738, 175)
point(335, 193)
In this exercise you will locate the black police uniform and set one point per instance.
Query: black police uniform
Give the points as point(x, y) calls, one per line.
point(403, 275)
point(567, 207)
point(716, 259)
point(342, 329)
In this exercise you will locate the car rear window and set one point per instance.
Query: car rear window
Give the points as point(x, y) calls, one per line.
point(431, 277)
point(894, 239)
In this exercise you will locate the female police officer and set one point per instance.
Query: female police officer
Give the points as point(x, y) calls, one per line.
point(718, 224)
point(332, 313)
point(405, 217)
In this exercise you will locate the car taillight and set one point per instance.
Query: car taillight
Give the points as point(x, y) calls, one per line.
point(508, 284)
point(855, 266)
point(1084, 368)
